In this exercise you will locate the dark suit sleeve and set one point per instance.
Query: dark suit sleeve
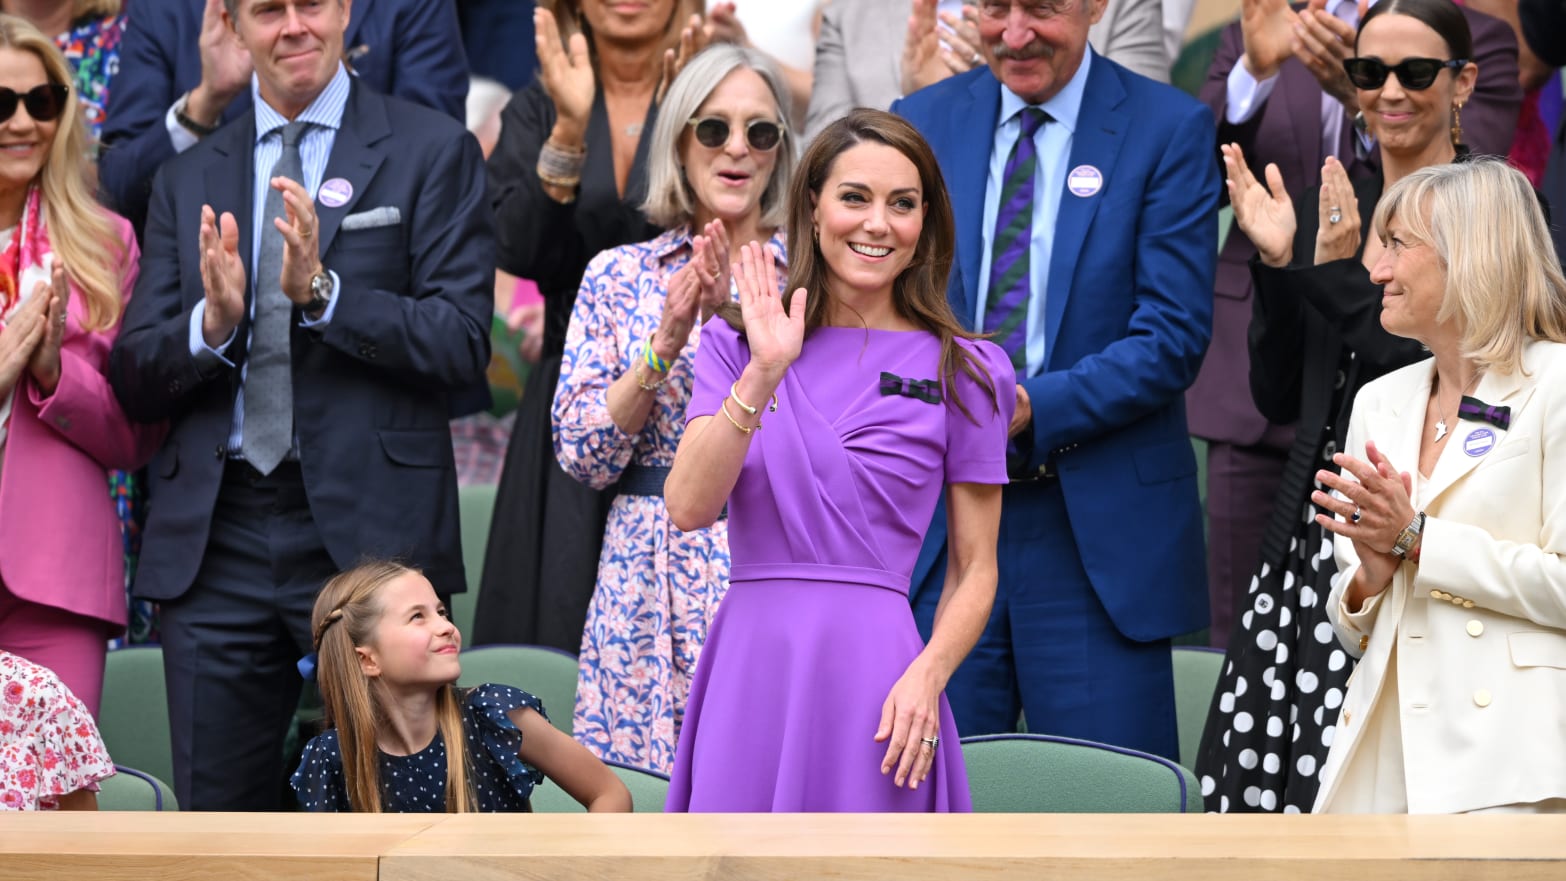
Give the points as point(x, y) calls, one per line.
point(1172, 306)
point(1215, 94)
point(150, 367)
point(536, 237)
point(439, 332)
point(429, 65)
point(1490, 116)
point(1276, 342)
point(1544, 26)
point(135, 141)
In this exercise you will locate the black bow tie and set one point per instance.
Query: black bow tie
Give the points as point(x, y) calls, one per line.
point(926, 390)
point(1479, 411)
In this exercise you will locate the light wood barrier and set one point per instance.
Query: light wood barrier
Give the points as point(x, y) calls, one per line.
point(131, 846)
point(652, 847)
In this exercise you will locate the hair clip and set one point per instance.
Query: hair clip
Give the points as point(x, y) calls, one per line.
point(306, 667)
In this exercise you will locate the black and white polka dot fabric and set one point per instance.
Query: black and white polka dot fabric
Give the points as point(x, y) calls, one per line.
point(1282, 685)
point(416, 784)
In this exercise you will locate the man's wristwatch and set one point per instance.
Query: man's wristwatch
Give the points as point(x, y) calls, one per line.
point(321, 291)
point(199, 129)
point(1409, 535)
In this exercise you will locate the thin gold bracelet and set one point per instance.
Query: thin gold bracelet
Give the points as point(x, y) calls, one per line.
point(636, 373)
point(734, 395)
point(724, 406)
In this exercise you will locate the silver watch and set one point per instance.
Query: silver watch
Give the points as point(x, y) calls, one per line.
point(321, 290)
point(1409, 535)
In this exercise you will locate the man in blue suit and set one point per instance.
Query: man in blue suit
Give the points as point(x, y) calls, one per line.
point(1085, 199)
point(316, 284)
point(182, 74)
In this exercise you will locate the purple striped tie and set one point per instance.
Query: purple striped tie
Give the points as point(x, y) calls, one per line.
point(1006, 309)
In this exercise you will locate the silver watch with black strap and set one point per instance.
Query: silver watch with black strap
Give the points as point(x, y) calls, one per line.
point(321, 291)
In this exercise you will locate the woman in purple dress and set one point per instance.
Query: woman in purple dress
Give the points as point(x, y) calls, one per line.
point(814, 691)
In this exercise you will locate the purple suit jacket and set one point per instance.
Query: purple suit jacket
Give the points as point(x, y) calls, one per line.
point(1287, 130)
point(54, 488)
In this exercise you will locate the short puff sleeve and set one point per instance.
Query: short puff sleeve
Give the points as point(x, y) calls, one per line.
point(318, 781)
point(976, 441)
point(490, 706)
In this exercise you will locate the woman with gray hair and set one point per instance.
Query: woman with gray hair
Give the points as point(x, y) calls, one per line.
point(719, 163)
point(1451, 583)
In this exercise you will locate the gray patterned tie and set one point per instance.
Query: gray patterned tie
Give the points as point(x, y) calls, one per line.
point(269, 393)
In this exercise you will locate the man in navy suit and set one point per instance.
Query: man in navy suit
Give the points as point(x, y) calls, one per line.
point(316, 283)
point(182, 74)
point(1090, 246)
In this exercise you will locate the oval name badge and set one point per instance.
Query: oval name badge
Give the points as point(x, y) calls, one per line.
point(335, 193)
point(1479, 441)
point(1084, 181)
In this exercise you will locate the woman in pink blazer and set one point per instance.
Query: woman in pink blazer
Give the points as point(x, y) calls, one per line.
point(66, 268)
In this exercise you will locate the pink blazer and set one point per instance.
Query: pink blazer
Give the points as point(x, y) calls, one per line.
point(60, 541)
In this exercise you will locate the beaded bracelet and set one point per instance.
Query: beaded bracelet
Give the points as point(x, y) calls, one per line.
point(734, 396)
point(652, 359)
point(724, 406)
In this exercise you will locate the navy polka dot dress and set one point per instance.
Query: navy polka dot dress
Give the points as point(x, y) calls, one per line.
point(416, 784)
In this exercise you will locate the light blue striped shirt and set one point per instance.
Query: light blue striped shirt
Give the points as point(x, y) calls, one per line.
point(325, 115)
point(1053, 141)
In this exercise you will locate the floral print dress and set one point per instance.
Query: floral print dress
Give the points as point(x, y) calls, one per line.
point(49, 745)
point(658, 587)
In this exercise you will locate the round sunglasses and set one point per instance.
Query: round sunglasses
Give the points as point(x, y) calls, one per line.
point(760, 134)
point(1415, 74)
point(44, 103)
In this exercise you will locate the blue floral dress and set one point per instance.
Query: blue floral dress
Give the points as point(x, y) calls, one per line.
point(416, 784)
point(658, 587)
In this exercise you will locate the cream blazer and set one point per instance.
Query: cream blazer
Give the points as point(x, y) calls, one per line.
point(1480, 624)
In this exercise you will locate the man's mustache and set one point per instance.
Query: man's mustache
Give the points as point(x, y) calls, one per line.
point(1033, 49)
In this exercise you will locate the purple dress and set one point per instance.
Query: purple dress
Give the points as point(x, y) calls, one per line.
point(825, 524)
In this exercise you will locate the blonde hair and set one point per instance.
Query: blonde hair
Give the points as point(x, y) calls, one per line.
point(96, 8)
point(344, 618)
point(669, 201)
point(1504, 283)
point(81, 232)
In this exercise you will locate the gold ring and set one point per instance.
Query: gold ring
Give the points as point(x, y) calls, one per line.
point(306, 233)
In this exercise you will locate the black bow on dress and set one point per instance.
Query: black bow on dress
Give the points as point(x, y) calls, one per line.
point(926, 390)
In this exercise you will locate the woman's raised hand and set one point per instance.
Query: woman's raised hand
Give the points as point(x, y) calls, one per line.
point(775, 335)
point(710, 257)
point(566, 75)
point(1264, 213)
point(693, 39)
point(680, 308)
point(1337, 234)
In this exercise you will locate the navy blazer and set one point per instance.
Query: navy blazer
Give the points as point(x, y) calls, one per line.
point(1127, 320)
point(408, 48)
point(371, 392)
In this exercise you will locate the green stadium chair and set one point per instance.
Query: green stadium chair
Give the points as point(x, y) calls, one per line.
point(476, 505)
point(133, 790)
point(1196, 672)
point(1036, 773)
point(546, 673)
point(134, 717)
point(649, 790)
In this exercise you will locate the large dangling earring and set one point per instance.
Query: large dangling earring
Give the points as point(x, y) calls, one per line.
point(1457, 125)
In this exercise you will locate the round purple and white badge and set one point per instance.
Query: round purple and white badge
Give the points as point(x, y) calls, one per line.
point(1479, 442)
point(1084, 181)
point(335, 193)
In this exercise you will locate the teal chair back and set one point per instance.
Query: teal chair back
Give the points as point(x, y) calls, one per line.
point(476, 506)
point(649, 790)
point(1196, 672)
point(134, 717)
point(1036, 773)
point(547, 673)
point(133, 790)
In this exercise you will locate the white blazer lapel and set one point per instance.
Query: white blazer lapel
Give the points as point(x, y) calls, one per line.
point(1473, 441)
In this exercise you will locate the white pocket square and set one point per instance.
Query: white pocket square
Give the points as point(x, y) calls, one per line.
point(375, 217)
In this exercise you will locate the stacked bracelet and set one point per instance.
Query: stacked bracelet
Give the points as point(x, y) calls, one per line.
point(653, 361)
point(561, 166)
point(724, 406)
point(734, 396)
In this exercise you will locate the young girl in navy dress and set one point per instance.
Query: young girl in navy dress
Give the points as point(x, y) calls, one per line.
point(403, 738)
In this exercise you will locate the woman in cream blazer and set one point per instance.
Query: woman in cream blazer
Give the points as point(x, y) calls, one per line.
point(1450, 514)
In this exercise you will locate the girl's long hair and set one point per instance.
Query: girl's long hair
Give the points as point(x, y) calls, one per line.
point(919, 292)
point(80, 231)
point(344, 618)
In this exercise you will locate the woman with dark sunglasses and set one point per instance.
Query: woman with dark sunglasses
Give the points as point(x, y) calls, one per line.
point(66, 268)
point(1315, 339)
point(718, 165)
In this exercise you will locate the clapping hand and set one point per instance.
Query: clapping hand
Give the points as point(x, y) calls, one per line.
point(1375, 501)
point(1267, 28)
point(921, 62)
point(1264, 213)
point(222, 277)
point(301, 255)
point(45, 362)
point(1337, 234)
point(680, 307)
point(225, 67)
point(710, 257)
point(20, 336)
point(693, 38)
point(565, 72)
point(1321, 42)
point(775, 335)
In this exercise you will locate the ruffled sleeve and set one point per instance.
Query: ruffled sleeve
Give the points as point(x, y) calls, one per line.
point(49, 744)
point(318, 782)
point(976, 447)
point(489, 706)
